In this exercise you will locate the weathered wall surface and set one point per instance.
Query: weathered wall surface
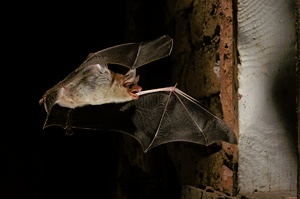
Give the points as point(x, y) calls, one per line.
point(298, 88)
point(196, 65)
point(198, 68)
point(267, 116)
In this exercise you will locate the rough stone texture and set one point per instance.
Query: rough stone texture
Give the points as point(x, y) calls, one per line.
point(197, 66)
point(269, 195)
point(228, 61)
point(203, 69)
point(189, 192)
point(268, 159)
point(298, 88)
point(229, 85)
point(195, 56)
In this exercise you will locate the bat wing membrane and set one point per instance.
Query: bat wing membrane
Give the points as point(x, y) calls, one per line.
point(155, 118)
point(130, 55)
point(159, 116)
point(171, 116)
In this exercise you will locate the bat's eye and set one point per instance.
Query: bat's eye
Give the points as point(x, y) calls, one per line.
point(129, 85)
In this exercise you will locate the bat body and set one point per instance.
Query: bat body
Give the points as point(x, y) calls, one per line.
point(98, 85)
point(94, 78)
point(94, 97)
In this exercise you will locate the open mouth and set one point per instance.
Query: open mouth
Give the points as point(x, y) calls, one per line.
point(134, 90)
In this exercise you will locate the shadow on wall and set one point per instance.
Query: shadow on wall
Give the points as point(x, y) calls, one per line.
point(284, 95)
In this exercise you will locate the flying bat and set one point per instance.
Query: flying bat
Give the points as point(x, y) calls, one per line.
point(97, 98)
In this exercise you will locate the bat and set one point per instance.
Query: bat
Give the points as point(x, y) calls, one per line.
point(97, 98)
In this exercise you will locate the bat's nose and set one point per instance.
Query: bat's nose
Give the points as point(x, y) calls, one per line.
point(135, 89)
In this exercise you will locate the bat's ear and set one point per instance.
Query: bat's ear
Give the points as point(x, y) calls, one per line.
point(136, 79)
point(130, 76)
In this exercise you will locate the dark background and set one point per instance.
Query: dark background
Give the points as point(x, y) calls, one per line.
point(41, 45)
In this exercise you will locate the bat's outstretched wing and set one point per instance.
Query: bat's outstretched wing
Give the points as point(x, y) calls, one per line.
point(159, 116)
point(177, 116)
point(130, 55)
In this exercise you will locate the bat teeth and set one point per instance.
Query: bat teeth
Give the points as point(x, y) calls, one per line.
point(135, 89)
